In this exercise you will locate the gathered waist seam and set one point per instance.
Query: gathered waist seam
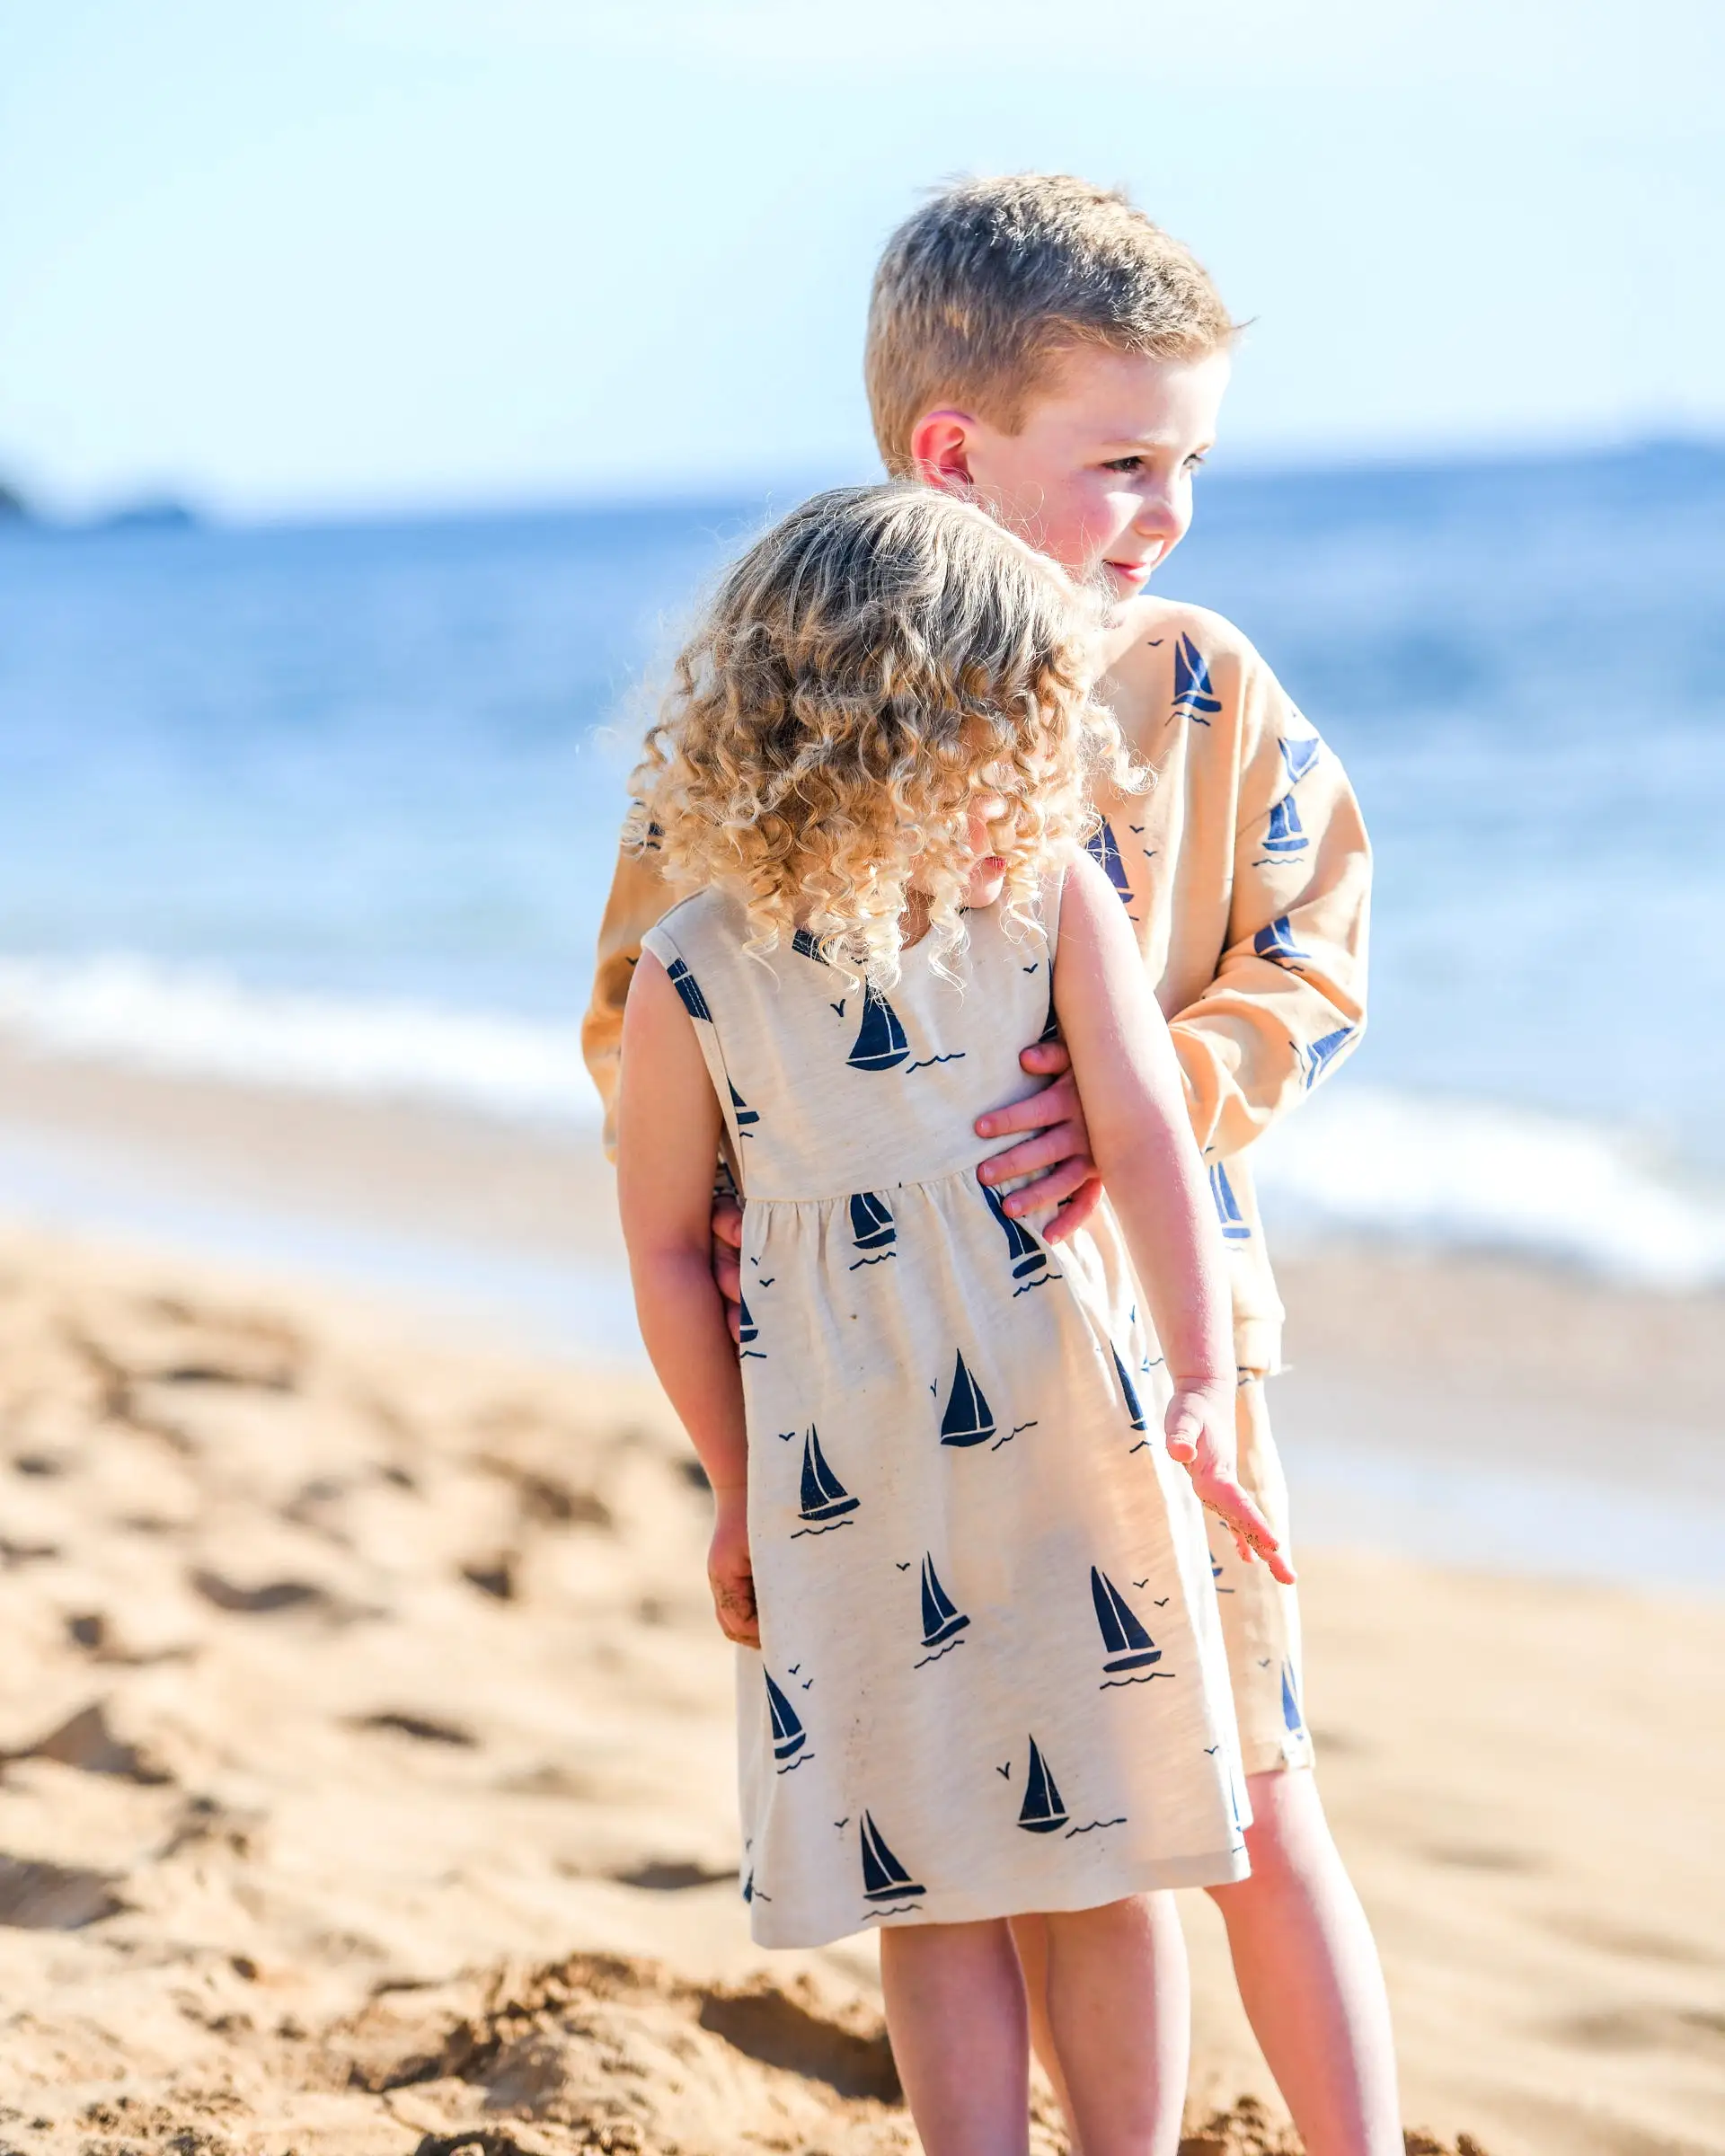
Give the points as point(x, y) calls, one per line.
point(903, 1182)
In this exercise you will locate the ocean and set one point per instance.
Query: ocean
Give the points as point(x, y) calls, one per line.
point(336, 808)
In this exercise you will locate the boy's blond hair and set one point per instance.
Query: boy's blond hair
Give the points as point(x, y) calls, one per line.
point(980, 292)
point(881, 656)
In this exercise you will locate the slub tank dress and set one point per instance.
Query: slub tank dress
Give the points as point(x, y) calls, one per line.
point(990, 1676)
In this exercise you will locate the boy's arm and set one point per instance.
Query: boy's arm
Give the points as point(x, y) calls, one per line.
point(668, 1136)
point(639, 896)
point(1130, 1083)
point(1288, 999)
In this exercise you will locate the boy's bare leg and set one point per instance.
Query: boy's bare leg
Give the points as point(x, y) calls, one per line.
point(1309, 1974)
point(1119, 2005)
point(955, 2008)
point(1159, 2053)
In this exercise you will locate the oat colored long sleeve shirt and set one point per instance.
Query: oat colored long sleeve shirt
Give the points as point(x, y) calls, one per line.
point(1245, 871)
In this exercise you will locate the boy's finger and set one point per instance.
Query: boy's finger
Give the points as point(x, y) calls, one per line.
point(1046, 1059)
point(728, 1222)
point(1036, 1112)
point(1075, 1212)
point(728, 1273)
point(1070, 1173)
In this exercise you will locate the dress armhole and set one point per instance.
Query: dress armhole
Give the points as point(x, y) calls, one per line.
point(683, 979)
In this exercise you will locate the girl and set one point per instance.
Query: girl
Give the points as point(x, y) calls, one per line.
point(957, 1471)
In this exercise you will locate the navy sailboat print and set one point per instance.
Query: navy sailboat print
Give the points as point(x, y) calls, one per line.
point(748, 1331)
point(1320, 1055)
point(942, 1616)
point(1300, 753)
point(872, 1228)
point(824, 1495)
point(880, 1043)
point(966, 1418)
point(1192, 691)
point(1129, 1390)
point(1285, 833)
point(746, 1116)
point(1104, 850)
point(884, 1878)
point(1128, 1646)
point(1277, 943)
point(1290, 1703)
point(1024, 1253)
point(1043, 1808)
point(688, 989)
point(789, 1735)
point(1235, 1227)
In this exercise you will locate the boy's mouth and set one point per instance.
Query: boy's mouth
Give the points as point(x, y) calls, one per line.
point(1129, 575)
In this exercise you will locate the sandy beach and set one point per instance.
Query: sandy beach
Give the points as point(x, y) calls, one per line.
point(367, 1767)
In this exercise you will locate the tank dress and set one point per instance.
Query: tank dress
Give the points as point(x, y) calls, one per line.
point(991, 1677)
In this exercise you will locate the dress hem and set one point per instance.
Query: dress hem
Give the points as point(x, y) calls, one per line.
point(1223, 1868)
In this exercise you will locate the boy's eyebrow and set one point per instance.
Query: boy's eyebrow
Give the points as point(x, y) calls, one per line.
point(1113, 442)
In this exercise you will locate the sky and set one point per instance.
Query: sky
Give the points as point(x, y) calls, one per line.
point(370, 256)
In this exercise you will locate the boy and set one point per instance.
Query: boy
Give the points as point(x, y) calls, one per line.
point(1036, 342)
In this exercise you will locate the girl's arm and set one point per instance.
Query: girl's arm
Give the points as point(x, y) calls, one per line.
point(668, 1130)
point(1141, 1140)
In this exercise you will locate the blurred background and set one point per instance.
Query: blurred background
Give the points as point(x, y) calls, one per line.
point(378, 383)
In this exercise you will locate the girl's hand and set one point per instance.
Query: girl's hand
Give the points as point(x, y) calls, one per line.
point(729, 1573)
point(1200, 1426)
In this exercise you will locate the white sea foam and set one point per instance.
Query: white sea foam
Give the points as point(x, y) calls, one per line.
point(195, 1023)
point(1361, 1159)
point(1356, 1160)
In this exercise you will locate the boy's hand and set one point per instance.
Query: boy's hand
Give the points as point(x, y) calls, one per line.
point(1058, 1153)
point(729, 1573)
point(728, 1260)
point(1200, 1426)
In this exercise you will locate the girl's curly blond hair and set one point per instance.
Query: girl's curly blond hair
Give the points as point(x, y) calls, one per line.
point(879, 659)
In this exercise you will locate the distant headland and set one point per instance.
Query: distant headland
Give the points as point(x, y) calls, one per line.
point(149, 514)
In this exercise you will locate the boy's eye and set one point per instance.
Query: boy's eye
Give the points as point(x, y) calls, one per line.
point(1195, 460)
point(1124, 463)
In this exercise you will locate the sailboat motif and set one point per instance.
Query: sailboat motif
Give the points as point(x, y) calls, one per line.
point(1216, 1575)
point(942, 1616)
point(1235, 1227)
point(1043, 1809)
point(1322, 1053)
point(789, 1735)
point(884, 1878)
point(1128, 1646)
point(1129, 1390)
point(1051, 1025)
point(688, 989)
point(880, 1042)
point(872, 1228)
point(1290, 1704)
point(746, 1116)
point(966, 1417)
point(1192, 691)
point(1285, 833)
point(1024, 1253)
point(748, 1331)
point(1104, 850)
point(824, 1495)
point(1299, 755)
point(1277, 943)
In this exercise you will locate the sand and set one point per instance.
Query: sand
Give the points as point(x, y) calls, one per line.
point(368, 1777)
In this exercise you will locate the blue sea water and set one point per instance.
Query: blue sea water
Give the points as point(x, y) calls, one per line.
point(336, 807)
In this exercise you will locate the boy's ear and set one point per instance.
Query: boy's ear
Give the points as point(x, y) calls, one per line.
point(940, 450)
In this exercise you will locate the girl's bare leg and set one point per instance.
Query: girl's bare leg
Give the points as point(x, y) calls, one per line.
point(1119, 2020)
point(1308, 1972)
point(955, 2010)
